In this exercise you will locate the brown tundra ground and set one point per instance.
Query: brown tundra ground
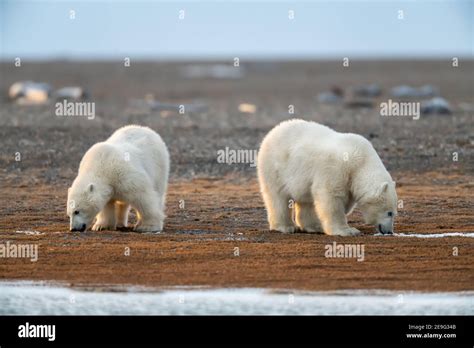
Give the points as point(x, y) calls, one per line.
point(216, 233)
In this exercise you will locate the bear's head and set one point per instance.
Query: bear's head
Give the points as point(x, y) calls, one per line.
point(379, 207)
point(85, 200)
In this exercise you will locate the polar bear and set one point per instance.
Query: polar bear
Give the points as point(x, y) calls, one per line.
point(128, 170)
point(326, 174)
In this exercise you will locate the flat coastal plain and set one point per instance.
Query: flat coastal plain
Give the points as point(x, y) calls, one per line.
point(216, 232)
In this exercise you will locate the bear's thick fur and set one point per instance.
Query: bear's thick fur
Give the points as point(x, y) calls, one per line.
point(326, 174)
point(129, 170)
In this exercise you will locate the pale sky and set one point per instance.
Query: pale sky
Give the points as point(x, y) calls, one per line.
point(248, 29)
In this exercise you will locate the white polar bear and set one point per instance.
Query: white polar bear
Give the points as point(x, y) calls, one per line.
point(130, 169)
point(326, 174)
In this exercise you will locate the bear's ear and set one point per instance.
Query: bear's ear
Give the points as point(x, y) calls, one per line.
point(383, 187)
point(91, 187)
point(68, 189)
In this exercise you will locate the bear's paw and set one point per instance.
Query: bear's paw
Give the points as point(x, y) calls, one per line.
point(284, 229)
point(346, 232)
point(148, 228)
point(101, 227)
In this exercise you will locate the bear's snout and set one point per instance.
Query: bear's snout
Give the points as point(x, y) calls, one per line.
point(82, 229)
point(385, 230)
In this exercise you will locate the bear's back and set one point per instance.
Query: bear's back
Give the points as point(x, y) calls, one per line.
point(133, 134)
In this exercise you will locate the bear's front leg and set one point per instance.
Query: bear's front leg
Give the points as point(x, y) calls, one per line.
point(278, 212)
point(331, 213)
point(105, 220)
point(150, 213)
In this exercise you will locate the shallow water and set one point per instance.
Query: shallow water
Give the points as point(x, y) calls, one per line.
point(36, 298)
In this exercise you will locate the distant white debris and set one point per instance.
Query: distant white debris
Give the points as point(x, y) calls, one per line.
point(70, 93)
point(32, 93)
point(329, 97)
point(405, 91)
point(30, 233)
point(370, 91)
point(215, 71)
point(335, 95)
point(29, 92)
point(246, 108)
point(436, 105)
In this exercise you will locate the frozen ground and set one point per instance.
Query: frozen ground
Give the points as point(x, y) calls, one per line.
point(31, 298)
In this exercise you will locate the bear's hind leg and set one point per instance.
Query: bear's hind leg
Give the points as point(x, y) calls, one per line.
point(306, 217)
point(332, 214)
point(121, 212)
point(150, 213)
point(105, 220)
point(278, 212)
